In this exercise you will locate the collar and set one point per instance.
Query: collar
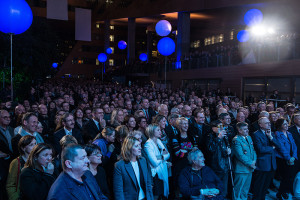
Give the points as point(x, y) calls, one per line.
point(67, 131)
point(96, 122)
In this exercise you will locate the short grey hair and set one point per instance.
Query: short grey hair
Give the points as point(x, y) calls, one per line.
point(192, 156)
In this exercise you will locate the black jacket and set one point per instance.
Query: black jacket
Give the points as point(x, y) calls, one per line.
point(34, 184)
point(218, 153)
point(90, 130)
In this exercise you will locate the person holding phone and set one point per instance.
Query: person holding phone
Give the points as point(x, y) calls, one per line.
point(38, 174)
point(218, 151)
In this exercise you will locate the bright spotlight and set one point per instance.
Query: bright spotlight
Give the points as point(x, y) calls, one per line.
point(271, 30)
point(258, 30)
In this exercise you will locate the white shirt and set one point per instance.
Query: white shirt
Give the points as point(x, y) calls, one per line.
point(136, 170)
point(68, 132)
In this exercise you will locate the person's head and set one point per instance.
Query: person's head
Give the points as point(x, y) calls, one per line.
point(43, 110)
point(106, 108)
point(145, 104)
point(216, 126)
point(273, 116)
point(74, 159)
point(4, 118)
point(186, 111)
point(93, 153)
point(270, 107)
point(19, 109)
point(242, 128)
point(117, 116)
point(281, 125)
point(163, 110)
point(199, 117)
point(281, 111)
point(129, 121)
point(68, 121)
point(172, 119)
point(225, 119)
point(290, 109)
point(264, 123)
point(78, 114)
point(65, 106)
point(261, 106)
point(137, 135)
point(196, 158)
point(40, 156)
point(26, 144)
point(153, 130)
point(128, 104)
point(109, 134)
point(263, 114)
point(67, 140)
point(121, 132)
point(160, 120)
point(233, 105)
point(30, 122)
point(141, 122)
point(88, 113)
point(182, 124)
point(98, 114)
point(296, 119)
point(131, 148)
point(39, 128)
point(240, 117)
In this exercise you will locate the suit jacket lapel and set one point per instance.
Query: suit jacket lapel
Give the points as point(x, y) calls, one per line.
point(144, 171)
point(131, 174)
point(92, 189)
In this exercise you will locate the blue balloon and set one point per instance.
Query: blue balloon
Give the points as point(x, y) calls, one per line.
point(243, 36)
point(54, 65)
point(109, 50)
point(143, 57)
point(122, 44)
point(166, 46)
point(163, 28)
point(15, 16)
point(253, 17)
point(102, 57)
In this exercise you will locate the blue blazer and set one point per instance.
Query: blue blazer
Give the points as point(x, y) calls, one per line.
point(266, 156)
point(287, 145)
point(65, 188)
point(125, 183)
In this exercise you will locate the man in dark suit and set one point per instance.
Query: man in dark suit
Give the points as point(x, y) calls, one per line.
point(68, 122)
point(264, 144)
point(198, 129)
point(6, 152)
point(76, 182)
point(149, 113)
point(95, 125)
point(295, 130)
point(255, 126)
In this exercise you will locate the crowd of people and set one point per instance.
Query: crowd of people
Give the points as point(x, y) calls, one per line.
point(75, 139)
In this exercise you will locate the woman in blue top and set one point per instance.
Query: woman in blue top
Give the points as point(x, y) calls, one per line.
point(286, 156)
point(104, 141)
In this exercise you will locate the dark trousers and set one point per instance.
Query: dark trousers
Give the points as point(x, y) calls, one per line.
point(287, 173)
point(224, 179)
point(261, 182)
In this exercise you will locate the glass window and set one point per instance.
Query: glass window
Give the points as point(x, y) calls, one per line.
point(112, 27)
point(111, 62)
point(111, 38)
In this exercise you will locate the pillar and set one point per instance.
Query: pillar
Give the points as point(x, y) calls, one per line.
point(131, 41)
point(183, 35)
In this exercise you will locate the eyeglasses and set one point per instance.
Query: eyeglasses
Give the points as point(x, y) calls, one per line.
point(5, 117)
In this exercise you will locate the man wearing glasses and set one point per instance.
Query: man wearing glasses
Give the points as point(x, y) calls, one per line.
point(6, 134)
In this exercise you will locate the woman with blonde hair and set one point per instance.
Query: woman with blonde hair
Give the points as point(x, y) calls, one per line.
point(157, 155)
point(132, 180)
point(117, 117)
